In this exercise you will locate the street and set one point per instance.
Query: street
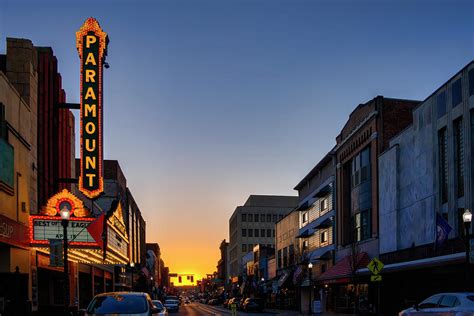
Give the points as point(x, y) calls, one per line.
point(202, 309)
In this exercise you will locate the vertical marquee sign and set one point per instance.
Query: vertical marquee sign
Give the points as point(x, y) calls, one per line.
point(91, 44)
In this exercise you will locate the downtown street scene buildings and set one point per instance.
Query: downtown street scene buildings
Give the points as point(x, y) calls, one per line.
point(39, 169)
point(396, 188)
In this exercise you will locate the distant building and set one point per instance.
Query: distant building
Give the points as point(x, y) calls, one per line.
point(153, 260)
point(253, 224)
point(222, 264)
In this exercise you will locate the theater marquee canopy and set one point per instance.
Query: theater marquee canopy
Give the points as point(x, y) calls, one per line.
point(82, 246)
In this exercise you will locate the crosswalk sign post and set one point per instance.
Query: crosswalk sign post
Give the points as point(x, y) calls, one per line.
point(375, 266)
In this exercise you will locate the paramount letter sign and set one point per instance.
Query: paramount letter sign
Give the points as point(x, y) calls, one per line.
point(91, 44)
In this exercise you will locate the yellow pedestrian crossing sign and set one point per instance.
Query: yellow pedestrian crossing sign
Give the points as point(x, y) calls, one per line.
point(376, 278)
point(375, 266)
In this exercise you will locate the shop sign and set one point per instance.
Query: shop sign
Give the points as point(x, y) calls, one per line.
point(91, 44)
point(12, 232)
point(44, 228)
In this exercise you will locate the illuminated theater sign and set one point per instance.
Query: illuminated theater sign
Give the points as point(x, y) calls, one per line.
point(91, 44)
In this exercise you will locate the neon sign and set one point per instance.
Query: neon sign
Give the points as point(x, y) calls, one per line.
point(91, 44)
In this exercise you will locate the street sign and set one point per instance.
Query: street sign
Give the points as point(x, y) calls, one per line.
point(375, 266)
point(56, 253)
point(376, 278)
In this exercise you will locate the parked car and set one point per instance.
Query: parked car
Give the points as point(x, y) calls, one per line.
point(456, 304)
point(121, 303)
point(252, 305)
point(172, 305)
point(161, 308)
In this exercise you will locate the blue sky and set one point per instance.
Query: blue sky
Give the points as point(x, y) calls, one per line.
point(207, 102)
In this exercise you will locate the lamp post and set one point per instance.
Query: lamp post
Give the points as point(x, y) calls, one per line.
point(310, 272)
point(467, 218)
point(132, 265)
point(65, 215)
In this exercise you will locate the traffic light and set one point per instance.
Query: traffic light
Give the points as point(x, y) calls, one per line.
point(180, 279)
point(192, 279)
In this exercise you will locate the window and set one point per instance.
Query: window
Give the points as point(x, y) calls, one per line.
point(305, 244)
point(250, 216)
point(250, 233)
point(244, 217)
point(324, 236)
point(443, 164)
point(269, 218)
point(323, 205)
point(360, 168)
point(459, 155)
point(273, 233)
point(244, 248)
point(291, 255)
point(256, 233)
point(441, 104)
point(471, 82)
point(449, 301)
point(244, 232)
point(361, 225)
point(262, 233)
point(262, 218)
point(305, 217)
point(279, 259)
point(269, 233)
point(456, 92)
point(430, 302)
point(323, 268)
point(256, 217)
point(275, 218)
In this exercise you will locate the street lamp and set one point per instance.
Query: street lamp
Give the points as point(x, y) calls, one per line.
point(310, 270)
point(467, 219)
point(132, 265)
point(65, 213)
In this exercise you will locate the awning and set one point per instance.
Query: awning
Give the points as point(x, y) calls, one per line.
point(420, 263)
point(305, 234)
point(344, 268)
point(303, 206)
point(324, 191)
point(325, 224)
point(324, 253)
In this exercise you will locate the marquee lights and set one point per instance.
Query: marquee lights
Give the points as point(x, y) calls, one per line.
point(91, 44)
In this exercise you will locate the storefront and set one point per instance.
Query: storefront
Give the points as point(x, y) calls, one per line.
point(15, 289)
point(343, 290)
point(91, 269)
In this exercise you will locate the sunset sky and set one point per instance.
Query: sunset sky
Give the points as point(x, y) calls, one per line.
point(207, 102)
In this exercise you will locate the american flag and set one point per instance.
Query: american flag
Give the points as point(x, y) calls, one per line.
point(297, 274)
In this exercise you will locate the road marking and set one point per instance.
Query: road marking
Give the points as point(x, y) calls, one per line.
point(212, 310)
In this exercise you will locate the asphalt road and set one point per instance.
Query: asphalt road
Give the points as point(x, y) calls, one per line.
point(197, 309)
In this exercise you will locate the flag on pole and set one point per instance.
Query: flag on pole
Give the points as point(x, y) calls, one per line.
point(297, 274)
point(442, 230)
